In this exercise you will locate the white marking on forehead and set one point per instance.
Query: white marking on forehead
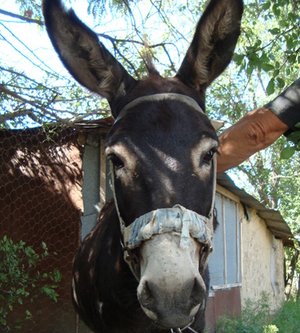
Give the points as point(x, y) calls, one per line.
point(170, 162)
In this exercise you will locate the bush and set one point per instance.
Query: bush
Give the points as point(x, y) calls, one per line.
point(287, 318)
point(256, 317)
point(20, 280)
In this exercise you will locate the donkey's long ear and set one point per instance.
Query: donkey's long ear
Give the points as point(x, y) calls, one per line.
point(83, 55)
point(213, 44)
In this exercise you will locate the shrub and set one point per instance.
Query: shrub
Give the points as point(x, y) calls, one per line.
point(256, 317)
point(20, 280)
point(287, 318)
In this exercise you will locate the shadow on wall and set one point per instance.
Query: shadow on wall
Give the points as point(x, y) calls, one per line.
point(40, 201)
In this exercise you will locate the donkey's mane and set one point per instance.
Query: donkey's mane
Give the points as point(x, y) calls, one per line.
point(148, 60)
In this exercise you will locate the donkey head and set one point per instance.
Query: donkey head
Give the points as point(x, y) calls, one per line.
point(161, 148)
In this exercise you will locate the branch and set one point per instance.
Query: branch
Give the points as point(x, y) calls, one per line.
point(29, 50)
point(19, 74)
point(116, 49)
point(167, 21)
point(132, 41)
point(23, 18)
point(16, 96)
point(20, 113)
point(41, 112)
point(272, 41)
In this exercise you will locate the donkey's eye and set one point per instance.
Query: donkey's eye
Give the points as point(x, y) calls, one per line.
point(208, 156)
point(116, 161)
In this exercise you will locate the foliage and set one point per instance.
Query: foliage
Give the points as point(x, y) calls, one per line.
point(257, 317)
point(98, 8)
point(51, 95)
point(288, 319)
point(30, 8)
point(21, 281)
point(32, 92)
point(293, 143)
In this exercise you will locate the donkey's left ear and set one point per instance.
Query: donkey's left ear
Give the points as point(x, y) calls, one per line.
point(86, 58)
point(213, 44)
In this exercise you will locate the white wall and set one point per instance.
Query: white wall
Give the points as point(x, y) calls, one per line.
point(262, 261)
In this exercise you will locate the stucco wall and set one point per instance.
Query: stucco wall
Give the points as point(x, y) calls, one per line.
point(261, 260)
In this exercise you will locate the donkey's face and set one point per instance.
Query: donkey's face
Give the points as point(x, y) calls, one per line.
point(161, 149)
point(161, 152)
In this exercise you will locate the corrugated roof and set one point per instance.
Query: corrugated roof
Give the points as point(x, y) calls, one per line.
point(272, 218)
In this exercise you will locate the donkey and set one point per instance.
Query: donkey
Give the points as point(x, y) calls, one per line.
point(143, 268)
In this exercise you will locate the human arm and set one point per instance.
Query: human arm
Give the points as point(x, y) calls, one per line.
point(259, 128)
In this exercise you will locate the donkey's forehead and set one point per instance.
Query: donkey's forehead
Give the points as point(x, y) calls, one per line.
point(162, 123)
point(155, 84)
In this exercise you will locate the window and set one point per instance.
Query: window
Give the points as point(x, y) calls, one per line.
point(224, 262)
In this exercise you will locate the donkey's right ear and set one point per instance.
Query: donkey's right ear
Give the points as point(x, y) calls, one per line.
point(213, 44)
point(83, 54)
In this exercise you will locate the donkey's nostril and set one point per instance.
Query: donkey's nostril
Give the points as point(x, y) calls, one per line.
point(146, 297)
point(196, 293)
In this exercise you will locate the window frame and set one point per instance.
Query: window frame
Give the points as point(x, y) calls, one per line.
point(226, 195)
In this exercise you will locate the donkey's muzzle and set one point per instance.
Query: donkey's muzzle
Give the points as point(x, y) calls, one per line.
point(171, 289)
point(177, 309)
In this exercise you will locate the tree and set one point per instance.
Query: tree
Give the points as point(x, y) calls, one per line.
point(39, 94)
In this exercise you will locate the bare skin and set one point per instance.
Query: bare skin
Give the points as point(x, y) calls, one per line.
point(254, 132)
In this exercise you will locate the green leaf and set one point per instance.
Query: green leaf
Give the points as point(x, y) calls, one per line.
point(266, 5)
point(50, 292)
point(238, 58)
point(267, 67)
point(56, 276)
point(294, 137)
point(287, 153)
point(274, 31)
point(28, 314)
point(271, 87)
point(280, 82)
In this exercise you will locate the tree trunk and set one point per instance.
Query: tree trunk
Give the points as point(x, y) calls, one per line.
point(291, 273)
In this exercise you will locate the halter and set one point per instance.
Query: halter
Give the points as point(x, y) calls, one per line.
point(176, 219)
point(180, 330)
point(159, 98)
